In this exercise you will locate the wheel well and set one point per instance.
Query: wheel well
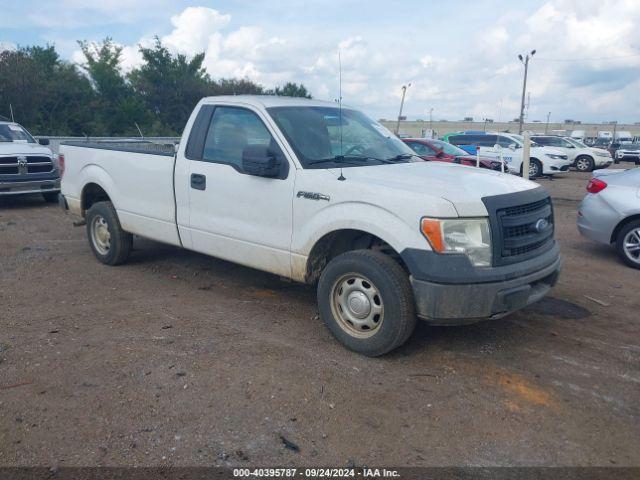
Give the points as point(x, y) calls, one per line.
point(92, 193)
point(621, 225)
point(340, 241)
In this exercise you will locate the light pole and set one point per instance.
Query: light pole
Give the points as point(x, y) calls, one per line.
point(404, 92)
point(525, 61)
point(431, 122)
point(546, 128)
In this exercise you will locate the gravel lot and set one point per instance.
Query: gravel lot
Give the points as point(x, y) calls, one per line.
point(180, 359)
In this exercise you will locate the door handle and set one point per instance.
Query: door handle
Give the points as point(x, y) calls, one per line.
point(198, 182)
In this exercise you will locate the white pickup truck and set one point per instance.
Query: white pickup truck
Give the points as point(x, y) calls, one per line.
point(324, 195)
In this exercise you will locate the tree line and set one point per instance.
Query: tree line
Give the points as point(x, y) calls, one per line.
point(51, 96)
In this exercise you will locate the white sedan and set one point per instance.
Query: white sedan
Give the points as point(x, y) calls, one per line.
point(610, 213)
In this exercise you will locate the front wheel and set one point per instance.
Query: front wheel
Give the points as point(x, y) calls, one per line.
point(366, 301)
point(535, 168)
point(584, 164)
point(628, 244)
point(110, 243)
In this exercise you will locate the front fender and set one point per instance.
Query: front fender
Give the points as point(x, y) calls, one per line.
point(353, 216)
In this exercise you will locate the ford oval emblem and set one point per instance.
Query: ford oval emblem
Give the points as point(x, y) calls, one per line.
point(541, 225)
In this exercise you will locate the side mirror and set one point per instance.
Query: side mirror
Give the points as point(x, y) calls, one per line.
point(260, 161)
point(571, 146)
point(513, 146)
point(43, 141)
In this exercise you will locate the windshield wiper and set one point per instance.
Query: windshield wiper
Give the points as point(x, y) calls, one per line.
point(399, 158)
point(349, 159)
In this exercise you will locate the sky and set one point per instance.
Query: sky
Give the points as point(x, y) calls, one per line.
point(461, 57)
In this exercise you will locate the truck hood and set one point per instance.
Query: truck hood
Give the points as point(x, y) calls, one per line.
point(463, 186)
point(18, 148)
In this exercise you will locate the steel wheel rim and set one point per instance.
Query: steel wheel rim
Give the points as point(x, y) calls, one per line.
point(357, 305)
point(582, 164)
point(631, 245)
point(100, 235)
point(533, 169)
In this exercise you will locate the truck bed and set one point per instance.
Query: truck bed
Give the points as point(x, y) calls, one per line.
point(137, 176)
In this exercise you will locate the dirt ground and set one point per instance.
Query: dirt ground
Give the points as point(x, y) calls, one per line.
point(181, 359)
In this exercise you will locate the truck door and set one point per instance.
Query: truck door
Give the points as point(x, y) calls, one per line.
point(233, 215)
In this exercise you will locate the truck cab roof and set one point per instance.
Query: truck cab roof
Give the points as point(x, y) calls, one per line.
point(268, 101)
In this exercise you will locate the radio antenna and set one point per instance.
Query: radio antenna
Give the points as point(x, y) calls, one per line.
point(341, 177)
point(11, 109)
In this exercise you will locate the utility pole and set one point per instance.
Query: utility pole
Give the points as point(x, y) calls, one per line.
point(404, 92)
point(546, 128)
point(525, 62)
point(431, 121)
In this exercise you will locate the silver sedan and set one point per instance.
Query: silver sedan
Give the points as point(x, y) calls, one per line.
point(610, 213)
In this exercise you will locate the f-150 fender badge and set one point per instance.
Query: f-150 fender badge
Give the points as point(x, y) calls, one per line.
point(313, 196)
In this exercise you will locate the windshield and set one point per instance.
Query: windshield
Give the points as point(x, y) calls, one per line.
point(10, 132)
point(448, 148)
point(316, 136)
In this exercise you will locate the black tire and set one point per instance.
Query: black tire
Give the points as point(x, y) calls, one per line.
point(584, 163)
point(534, 163)
point(622, 239)
point(50, 197)
point(391, 286)
point(119, 241)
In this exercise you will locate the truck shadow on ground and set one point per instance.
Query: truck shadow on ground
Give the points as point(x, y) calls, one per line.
point(17, 202)
point(490, 335)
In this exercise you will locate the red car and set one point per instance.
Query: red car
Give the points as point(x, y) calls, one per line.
point(439, 151)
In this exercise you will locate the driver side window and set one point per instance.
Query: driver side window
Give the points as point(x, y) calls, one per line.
point(232, 130)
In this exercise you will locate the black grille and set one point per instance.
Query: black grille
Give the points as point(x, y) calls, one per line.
point(529, 207)
point(525, 228)
point(35, 164)
point(517, 232)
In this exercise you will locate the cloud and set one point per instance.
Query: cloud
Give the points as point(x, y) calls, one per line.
point(7, 46)
point(461, 65)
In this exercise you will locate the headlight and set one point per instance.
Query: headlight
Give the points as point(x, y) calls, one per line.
point(469, 236)
point(556, 157)
point(603, 154)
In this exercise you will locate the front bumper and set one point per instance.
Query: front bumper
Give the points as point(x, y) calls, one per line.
point(553, 168)
point(460, 304)
point(628, 157)
point(27, 187)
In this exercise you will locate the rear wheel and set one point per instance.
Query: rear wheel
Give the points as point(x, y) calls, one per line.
point(366, 301)
point(584, 164)
point(109, 242)
point(628, 244)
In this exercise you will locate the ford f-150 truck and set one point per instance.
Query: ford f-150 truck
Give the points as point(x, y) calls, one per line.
point(319, 193)
point(26, 165)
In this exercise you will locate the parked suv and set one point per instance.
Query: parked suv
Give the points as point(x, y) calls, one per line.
point(583, 158)
point(628, 152)
point(508, 146)
point(26, 165)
